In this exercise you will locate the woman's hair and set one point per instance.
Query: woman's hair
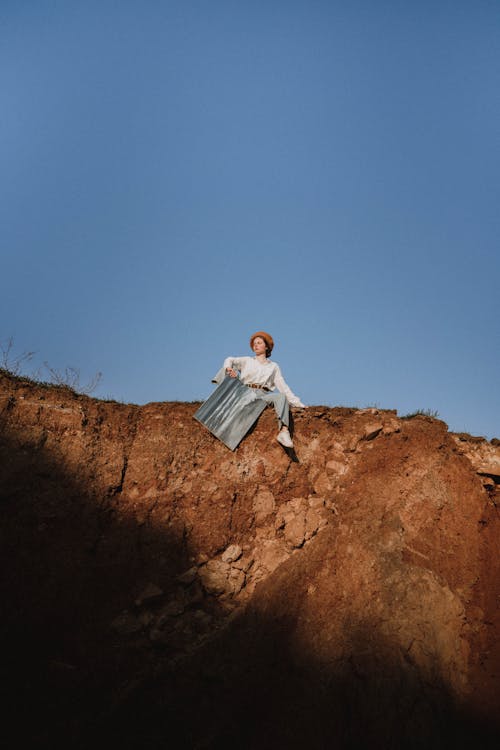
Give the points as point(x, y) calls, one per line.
point(267, 338)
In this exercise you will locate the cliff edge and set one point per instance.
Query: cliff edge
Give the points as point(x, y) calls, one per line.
point(159, 590)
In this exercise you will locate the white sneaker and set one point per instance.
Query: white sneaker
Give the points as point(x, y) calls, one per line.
point(285, 439)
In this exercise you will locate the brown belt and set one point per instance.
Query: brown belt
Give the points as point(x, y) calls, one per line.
point(260, 387)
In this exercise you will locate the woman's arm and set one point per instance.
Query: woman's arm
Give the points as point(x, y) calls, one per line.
point(282, 387)
point(231, 365)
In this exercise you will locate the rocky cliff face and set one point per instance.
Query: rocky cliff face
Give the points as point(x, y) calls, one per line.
point(159, 590)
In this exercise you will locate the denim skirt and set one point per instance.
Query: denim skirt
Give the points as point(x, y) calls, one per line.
point(230, 411)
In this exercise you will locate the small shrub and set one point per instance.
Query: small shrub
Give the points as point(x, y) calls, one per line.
point(70, 377)
point(11, 362)
point(422, 413)
point(15, 364)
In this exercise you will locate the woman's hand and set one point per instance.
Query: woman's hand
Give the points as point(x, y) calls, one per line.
point(232, 373)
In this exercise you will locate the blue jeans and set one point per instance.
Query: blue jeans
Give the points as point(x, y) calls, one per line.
point(280, 403)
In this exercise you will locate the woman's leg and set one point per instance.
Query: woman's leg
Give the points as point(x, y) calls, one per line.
point(281, 407)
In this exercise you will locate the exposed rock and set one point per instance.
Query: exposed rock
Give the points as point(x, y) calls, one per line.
point(372, 430)
point(236, 581)
point(126, 624)
point(295, 529)
point(322, 484)
point(194, 594)
point(312, 522)
point(352, 444)
point(243, 563)
point(489, 482)
point(203, 620)
point(232, 553)
point(336, 467)
point(352, 592)
point(316, 502)
point(214, 576)
point(188, 576)
point(173, 608)
point(146, 619)
point(484, 456)
point(263, 505)
point(151, 593)
point(490, 470)
point(269, 556)
point(391, 426)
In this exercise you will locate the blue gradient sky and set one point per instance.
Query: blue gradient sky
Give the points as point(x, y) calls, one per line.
point(175, 175)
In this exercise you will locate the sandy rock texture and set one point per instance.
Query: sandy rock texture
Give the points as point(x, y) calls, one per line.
point(160, 590)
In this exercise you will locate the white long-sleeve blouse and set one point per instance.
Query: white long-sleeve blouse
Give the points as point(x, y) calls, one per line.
point(267, 374)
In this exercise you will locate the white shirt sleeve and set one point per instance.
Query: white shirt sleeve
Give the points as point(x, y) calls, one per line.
point(233, 363)
point(282, 387)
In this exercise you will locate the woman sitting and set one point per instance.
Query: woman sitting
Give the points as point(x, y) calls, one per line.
point(263, 376)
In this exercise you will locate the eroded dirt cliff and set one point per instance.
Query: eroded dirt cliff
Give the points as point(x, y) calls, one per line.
point(159, 590)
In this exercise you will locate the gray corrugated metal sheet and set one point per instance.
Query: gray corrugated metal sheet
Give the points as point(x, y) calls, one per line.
point(230, 411)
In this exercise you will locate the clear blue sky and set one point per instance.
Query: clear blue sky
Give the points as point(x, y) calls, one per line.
point(176, 175)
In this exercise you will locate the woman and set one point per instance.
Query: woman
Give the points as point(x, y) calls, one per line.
point(262, 376)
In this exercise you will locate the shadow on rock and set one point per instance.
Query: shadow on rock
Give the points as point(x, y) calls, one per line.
point(109, 636)
point(252, 688)
point(73, 571)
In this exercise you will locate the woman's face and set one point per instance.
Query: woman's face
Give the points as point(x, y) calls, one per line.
point(259, 345)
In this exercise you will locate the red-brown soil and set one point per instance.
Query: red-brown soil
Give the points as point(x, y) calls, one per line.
point(160, 591)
